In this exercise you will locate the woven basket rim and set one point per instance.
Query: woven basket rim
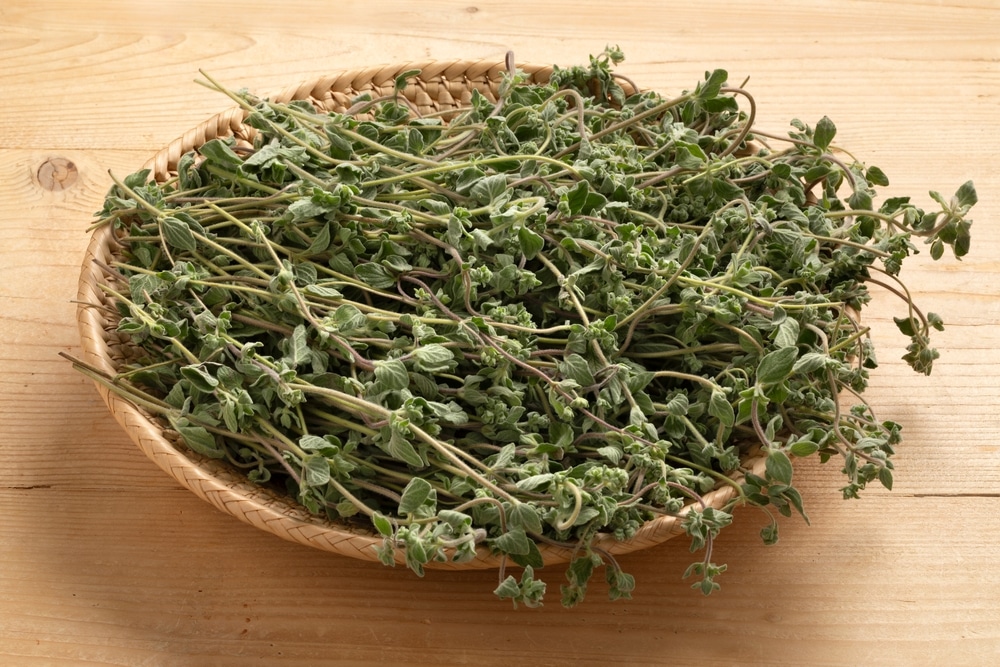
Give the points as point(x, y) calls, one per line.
point(210, 480)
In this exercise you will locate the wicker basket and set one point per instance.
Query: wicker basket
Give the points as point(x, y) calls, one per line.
point(439, 86)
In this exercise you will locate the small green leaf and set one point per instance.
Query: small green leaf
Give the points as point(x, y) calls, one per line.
point(787, 333)
point(200, 378)
point(713, 84)
point(720, 408)
point(489, 188)
point(776, 366)
point(218, 152)
point(375, 275)
point(575, 367)
point(392, 374)
point(677, 405)
point(178, 234)
point(299, 352)
point(321, 241)
point(525, 517)
point(803, 448)
point(966, 194)
point(382, 524)
point(417, 492)
point(531, 242)
point(198, 439)
point(315, 470)
point(686, 157)
point(885, 478)
point(810, 362)
point(514, 542)
point(795, 499)
point(402, 449)
point(778, 466)
point(907, 325)
point(433, 358)
point(824, 133)
point(531, 559)
point(576, 197)
point(312, 443)
point(876, 176)
point(323, 291)
point(403, 79)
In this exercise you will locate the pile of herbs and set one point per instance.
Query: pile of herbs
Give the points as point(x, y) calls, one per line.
point(527, 322)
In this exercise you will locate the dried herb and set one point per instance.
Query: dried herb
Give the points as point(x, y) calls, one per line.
point(526, 322)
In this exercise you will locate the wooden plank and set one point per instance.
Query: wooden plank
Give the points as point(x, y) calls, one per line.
point(146, 574)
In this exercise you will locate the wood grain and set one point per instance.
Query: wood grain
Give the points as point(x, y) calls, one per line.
point(105, 561)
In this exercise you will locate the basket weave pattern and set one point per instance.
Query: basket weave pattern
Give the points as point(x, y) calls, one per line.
point(440, 86)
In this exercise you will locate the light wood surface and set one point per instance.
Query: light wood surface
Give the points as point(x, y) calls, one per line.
point(106, 561)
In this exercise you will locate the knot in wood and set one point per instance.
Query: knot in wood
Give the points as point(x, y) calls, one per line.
point(57, 173)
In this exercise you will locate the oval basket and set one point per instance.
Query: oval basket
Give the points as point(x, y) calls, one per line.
point(439, 86)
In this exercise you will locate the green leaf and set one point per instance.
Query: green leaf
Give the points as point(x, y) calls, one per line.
point(726, 190)
point(876, 176)
point(576, 197)
point(299, 352)
point(178, 234)
point(792, 496)
point(720, 408)
point(323, 291)
point(315, 470)
point(218, 152)
point(525, 517)
point(612, 453)
point(776, 366)
point(907, 325)
point(375, 275)
point(402, 449)
point(200, 378)
point(392, 374)
point(678, 405)
point(416, 494)
point(349, 317)
point(514, 542)
point(321, 241)
point(489, 188)
point(713, 84)
point(824, 133)
point(787, 333)
point(577, 368)
point(803, 448)
point(137, 179)
point(778, 466)
point(433, 358)
point(313, 443)
point(531, 559)
point(860, 200)
point(690, 156)
point(810, 362)
point(382, 524)
point(198, 439)
point(885, 478)
point(403, 79)
point(966, 195)
point(531, 242)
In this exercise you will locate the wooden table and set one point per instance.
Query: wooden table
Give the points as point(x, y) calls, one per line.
point(106, 561)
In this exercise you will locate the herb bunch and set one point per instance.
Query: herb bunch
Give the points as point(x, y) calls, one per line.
point(527, 322)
